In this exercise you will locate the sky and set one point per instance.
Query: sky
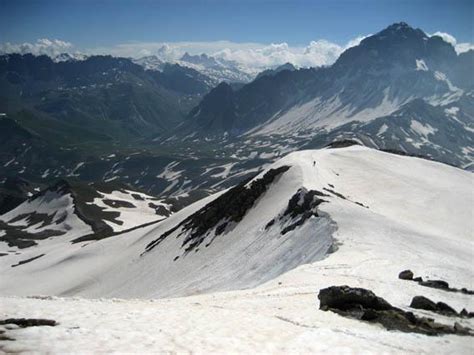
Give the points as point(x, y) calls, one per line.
point(231, 28)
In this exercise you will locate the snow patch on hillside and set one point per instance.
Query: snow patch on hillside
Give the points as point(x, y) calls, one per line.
point(421, 65)
point(58, 207)
point(422, 130)
point(133, 212)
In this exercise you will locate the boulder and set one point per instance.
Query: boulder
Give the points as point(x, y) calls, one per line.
point(345, 298)
point(444, 308)
point(406, 275)
point(435, 284)
point(421, 302)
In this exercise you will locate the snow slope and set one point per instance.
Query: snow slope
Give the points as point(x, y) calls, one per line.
point(386, 213)
point(64, 212)
point(320, 113)
point(57, 206)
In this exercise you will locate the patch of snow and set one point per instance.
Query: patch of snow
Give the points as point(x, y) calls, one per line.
point(59, 207)
point(421, 65)
point(382, 130)
point(9, 162)
point(422, 130)
point(225, 172)
point(169, 174)
point(452, 111)
point(130, 217)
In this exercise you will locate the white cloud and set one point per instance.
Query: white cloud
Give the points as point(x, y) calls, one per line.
point(446, 37)
point(459, 47)
point(252, 57)
point(41, 46)
point(464, 47)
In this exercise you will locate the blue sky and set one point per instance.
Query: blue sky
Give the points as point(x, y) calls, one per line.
point(89, 23)
point(255, 33)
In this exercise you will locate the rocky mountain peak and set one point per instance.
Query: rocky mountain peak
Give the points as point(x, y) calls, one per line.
point(199, 59)
point(398, 45)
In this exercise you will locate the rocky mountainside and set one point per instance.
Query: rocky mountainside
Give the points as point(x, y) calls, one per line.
point(271, 72)
point(103, 95)
point(73, 211)
point(387, 72)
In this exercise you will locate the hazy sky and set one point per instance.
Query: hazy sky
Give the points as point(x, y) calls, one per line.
point(132, 28)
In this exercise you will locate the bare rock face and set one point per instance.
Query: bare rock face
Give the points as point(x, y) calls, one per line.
point(364, 305)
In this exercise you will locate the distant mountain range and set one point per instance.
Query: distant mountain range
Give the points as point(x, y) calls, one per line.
point(217, 69)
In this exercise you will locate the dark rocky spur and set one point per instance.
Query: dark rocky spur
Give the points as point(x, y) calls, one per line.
point(302, 206)
point(218, 214)
point(364, 305)
point(439, 284)
point(421, 302)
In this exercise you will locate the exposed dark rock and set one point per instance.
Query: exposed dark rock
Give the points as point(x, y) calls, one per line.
point(435, 284)
point(439, 284)
point(406, 275)
point(118, 203)
point(443, 285)
point(229, 207)
point(160, 209)
point(421, 302)
point(16, 236)
point(405, 154)
point(301, 206)
point(343, 143)
point(466, 314)
point(364, 305)
point(346, 298)
point(29, 322)
point(445, 309)
point(27, 260)
point(335, 193)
